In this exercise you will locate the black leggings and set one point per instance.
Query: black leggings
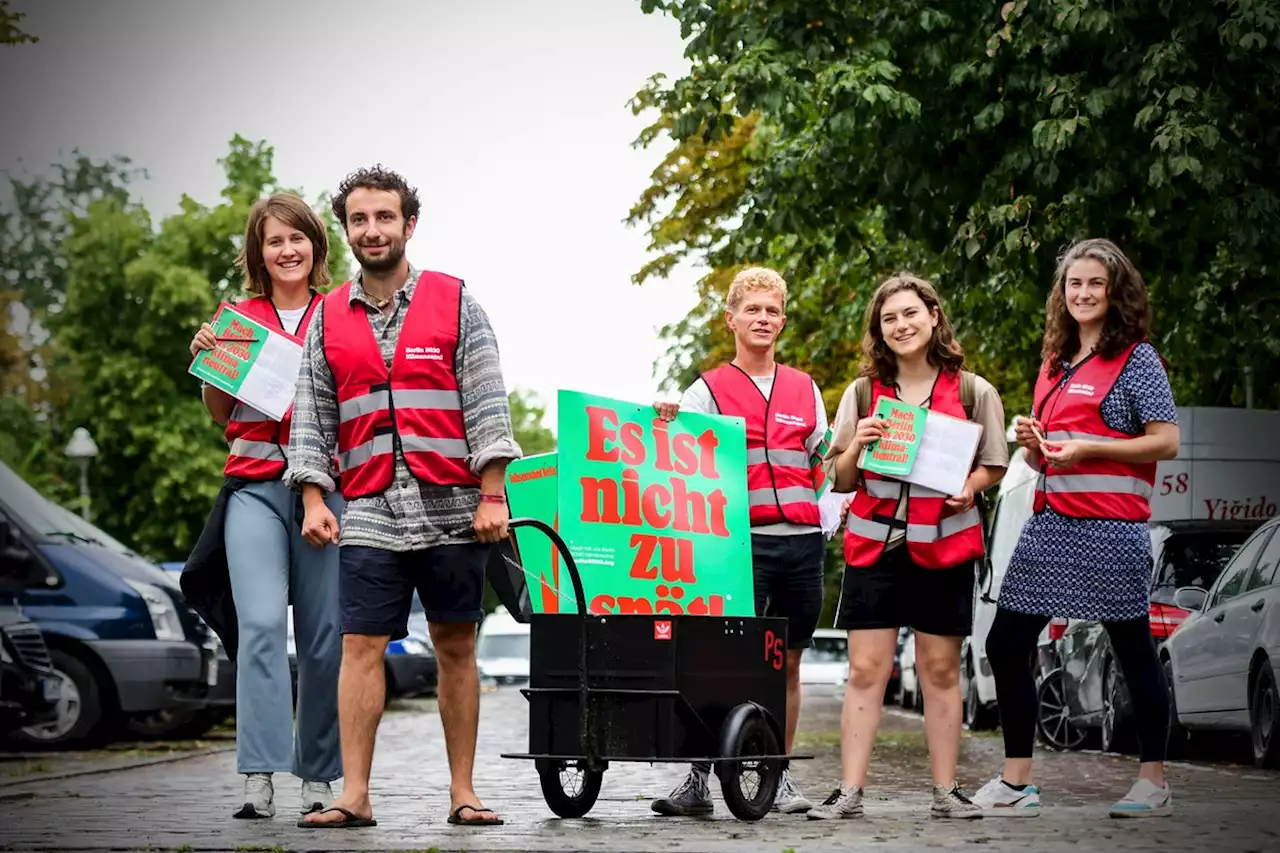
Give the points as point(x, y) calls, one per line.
point(1010, 647)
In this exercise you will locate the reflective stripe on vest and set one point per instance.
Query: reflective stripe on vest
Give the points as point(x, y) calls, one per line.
point(416, 401)
point(780, 477)
point(935, 536)
point(254, 440)
point(1071, 410)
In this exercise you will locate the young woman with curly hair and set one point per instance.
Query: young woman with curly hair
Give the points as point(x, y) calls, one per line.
point(910, 552)
point(1103, 416)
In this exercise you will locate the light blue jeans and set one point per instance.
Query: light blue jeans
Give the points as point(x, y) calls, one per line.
point(271, 567)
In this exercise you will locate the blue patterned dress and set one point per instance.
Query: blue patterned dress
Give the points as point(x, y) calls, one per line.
point(1088, 568)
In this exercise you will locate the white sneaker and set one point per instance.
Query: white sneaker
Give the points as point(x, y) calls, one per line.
point(258, 796)
point(843, 803)
point(997, 799)
point(1145, 799)
point(316, 796)
point(789, 800)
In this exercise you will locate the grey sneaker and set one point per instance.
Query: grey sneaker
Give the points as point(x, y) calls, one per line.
point(952, 803)
point(316, 796)
point(691, 798)
point(843, 803)
point(789, 800)
point(258, 795)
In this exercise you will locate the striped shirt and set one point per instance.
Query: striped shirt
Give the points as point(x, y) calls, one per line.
point(409, 515)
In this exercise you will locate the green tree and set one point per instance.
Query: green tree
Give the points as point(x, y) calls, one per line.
point(527, 422)
point(976, 141)
point(11, 31)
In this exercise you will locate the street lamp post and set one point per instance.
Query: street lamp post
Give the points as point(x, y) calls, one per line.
point(82, 448)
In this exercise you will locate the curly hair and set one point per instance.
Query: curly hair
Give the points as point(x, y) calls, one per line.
point(376, 178)
point(1128, 317)
point(878, 361)
point(756, 279)
point(296, 213)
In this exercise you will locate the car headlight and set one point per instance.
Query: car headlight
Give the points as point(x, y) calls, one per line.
point(414, 646)
point(164, 616)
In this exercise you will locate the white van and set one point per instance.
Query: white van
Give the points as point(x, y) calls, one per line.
point(502, 648)
point(1228, 468)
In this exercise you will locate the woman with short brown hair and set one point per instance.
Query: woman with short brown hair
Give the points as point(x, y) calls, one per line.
point(1103, 417)
point(269, 565)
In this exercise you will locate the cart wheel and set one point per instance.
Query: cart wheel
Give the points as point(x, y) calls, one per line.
point(569, 788)
point(749, 787)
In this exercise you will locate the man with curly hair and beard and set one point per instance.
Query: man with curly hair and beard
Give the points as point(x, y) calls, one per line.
point(400, 373)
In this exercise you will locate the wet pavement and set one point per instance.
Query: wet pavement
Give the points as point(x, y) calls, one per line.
point(187, 804)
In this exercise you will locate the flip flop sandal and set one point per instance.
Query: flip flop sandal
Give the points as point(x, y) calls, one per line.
point(457, 819)
point(350, 822)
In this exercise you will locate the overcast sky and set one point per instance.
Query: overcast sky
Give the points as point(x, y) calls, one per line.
point(510, 116)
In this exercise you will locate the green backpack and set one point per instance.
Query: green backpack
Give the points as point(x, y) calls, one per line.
point(862, 387)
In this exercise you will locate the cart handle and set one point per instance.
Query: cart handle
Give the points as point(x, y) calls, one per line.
point(560, 546)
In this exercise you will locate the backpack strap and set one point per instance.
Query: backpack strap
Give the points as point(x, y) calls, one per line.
point(966, 393)
point(862, 388)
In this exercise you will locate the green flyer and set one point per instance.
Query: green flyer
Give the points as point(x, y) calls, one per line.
point(531, 493)
point(252, 363)
point(895, 454)
point(654, 513)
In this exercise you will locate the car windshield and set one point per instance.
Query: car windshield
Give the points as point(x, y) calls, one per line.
point(827, 650)
point(47, 519)
point(503, 646)
point(1194, 558)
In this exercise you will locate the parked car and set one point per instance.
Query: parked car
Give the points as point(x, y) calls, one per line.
point(1223, 662)
point(119, 632)
point(908, 693)
point(29, 688)
point(502, 648)
point(1184, 553)
point(827, 660)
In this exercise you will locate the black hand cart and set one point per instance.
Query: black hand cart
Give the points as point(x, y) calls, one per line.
point(654, 688)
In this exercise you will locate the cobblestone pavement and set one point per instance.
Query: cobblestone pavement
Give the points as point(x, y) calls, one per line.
point(186, 805)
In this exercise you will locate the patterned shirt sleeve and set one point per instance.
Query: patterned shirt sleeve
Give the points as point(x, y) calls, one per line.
point(1145, 385)
point(486, 411)
point(314, 428)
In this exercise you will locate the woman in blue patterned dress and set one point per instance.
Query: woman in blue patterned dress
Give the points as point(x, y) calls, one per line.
point(1104, 415)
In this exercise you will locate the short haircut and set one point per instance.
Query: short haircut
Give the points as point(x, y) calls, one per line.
point(756, 279)
point(296, 213)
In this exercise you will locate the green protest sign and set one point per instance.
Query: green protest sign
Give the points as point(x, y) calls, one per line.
point(895, 454)
point(655, 513)
point(531, 493)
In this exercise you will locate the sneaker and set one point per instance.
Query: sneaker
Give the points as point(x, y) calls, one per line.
point(789, 800)
point(316, 796)
point(843, 803)
point(258, 794)
point(951, 802)
point(998, 799)
point(1145, 799)
point(691, 798)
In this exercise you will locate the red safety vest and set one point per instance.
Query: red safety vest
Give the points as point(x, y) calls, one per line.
point(415, 406)
point(1094, 488)
point(937, 537)
point(256, 443)
point(780, 477)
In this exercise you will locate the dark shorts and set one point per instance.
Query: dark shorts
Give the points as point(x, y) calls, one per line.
point(788, 580)
point(375, 586)
point(896, 593)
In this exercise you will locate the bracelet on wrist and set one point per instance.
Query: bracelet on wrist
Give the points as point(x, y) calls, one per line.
point(493, 499)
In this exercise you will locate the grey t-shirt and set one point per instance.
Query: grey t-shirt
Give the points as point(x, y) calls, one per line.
point(697, 398)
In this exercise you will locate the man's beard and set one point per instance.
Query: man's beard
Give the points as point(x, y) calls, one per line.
point(384, 264)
